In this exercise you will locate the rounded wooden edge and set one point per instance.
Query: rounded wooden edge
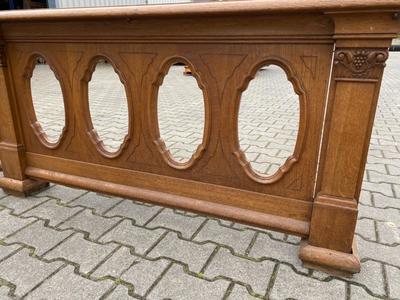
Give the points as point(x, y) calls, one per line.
point(254, 218)
point(330, 261)
point(198, 9)
point(22, 188)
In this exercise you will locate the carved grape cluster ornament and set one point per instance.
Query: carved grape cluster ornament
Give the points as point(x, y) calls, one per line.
point(360, 62)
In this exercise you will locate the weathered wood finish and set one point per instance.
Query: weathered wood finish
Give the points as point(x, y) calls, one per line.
point(223, 44)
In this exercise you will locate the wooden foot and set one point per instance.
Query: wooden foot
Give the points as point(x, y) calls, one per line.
point(330, 261)
point(22, 188)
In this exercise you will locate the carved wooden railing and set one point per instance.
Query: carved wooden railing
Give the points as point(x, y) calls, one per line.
point(313, 195)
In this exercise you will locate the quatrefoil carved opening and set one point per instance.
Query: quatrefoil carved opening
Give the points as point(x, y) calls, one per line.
point(107, 108)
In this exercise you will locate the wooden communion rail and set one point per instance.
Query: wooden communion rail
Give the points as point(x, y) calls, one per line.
point(334, 48)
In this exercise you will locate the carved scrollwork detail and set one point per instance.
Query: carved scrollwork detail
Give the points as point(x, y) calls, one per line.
point(360, 63)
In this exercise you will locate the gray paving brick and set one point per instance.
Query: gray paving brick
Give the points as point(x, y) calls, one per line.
point(26, 272)
point(275, 234)
point(358, 293)
point(7, 250)
point(381, 214)
point(63, 193)
point(96, 201)
point(178, 285)
point(144, 273)
point(371, 277)
point(10, 224)
point(379, 252)
point(52, 211)
point(393, 278)
point(366, 198)
point(39, 236)
point(240, 293)
point(187, 252)
point(382, 201)
point(140, 213)
point(239, 240)
point(366, 228)
point(384, 188)
point(65, 284)
point(184, 224)
point(19, 205)
point(115, 265)
point(243, 270)
point(139, 238)
point(389, 232)
point(264, 246)
point(91, 223)
point(4, 290)
point(119, 293)
point(288, 284)
point(78, 250)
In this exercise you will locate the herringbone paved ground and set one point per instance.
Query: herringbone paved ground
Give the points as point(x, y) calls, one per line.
point(73, 244)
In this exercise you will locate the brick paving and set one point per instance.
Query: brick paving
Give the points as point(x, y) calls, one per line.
point(66, 243)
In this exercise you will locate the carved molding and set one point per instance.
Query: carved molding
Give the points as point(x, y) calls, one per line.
point(361, 63)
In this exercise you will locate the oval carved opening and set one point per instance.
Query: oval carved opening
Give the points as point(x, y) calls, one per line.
point(181, 115)
point(108, 107)
point(269, 120)
point(48, 103)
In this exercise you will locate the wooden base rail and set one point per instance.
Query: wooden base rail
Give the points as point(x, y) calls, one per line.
point(333, 53)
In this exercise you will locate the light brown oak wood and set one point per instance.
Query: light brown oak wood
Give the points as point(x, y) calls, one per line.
point(223, 44)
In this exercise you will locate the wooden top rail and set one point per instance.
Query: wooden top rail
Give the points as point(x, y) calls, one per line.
point(201, 9)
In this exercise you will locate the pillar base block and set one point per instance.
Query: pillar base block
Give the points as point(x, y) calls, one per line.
point(22, 188)
point(330, 261)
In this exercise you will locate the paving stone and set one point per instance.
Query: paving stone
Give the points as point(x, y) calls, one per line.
point(240, 293)
point(384, 188)
point(383, 178)
point(119, 293)
point(139, 238)
point(25, 271)
point(91, 223)
point(194, 255)
point(63, 193)
point(52, 211)
point(240, 269)
point(39, 236)
point(178, 285)
point(389, 232)
point(67, 285)
point(10, 224)
point(239, 240)
point(19, 205)
point(274, 234)
point(78, 250)
point(4, 290)
point(366, 198)
point(381, 214)
point(264, 246)
point(289, 284)
point(382, 201)
point(144, 273)
point(7, 250)
point(98, 202)
point(371, 277)
point(393, 275)
point(358, 293)
point(379, 252)
point(140, 213)
point(366, 229)
point(186, 225)
point(114, 266)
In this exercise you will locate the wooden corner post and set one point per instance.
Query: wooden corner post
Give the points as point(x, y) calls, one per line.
point(12, 153)
point(362, 41)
